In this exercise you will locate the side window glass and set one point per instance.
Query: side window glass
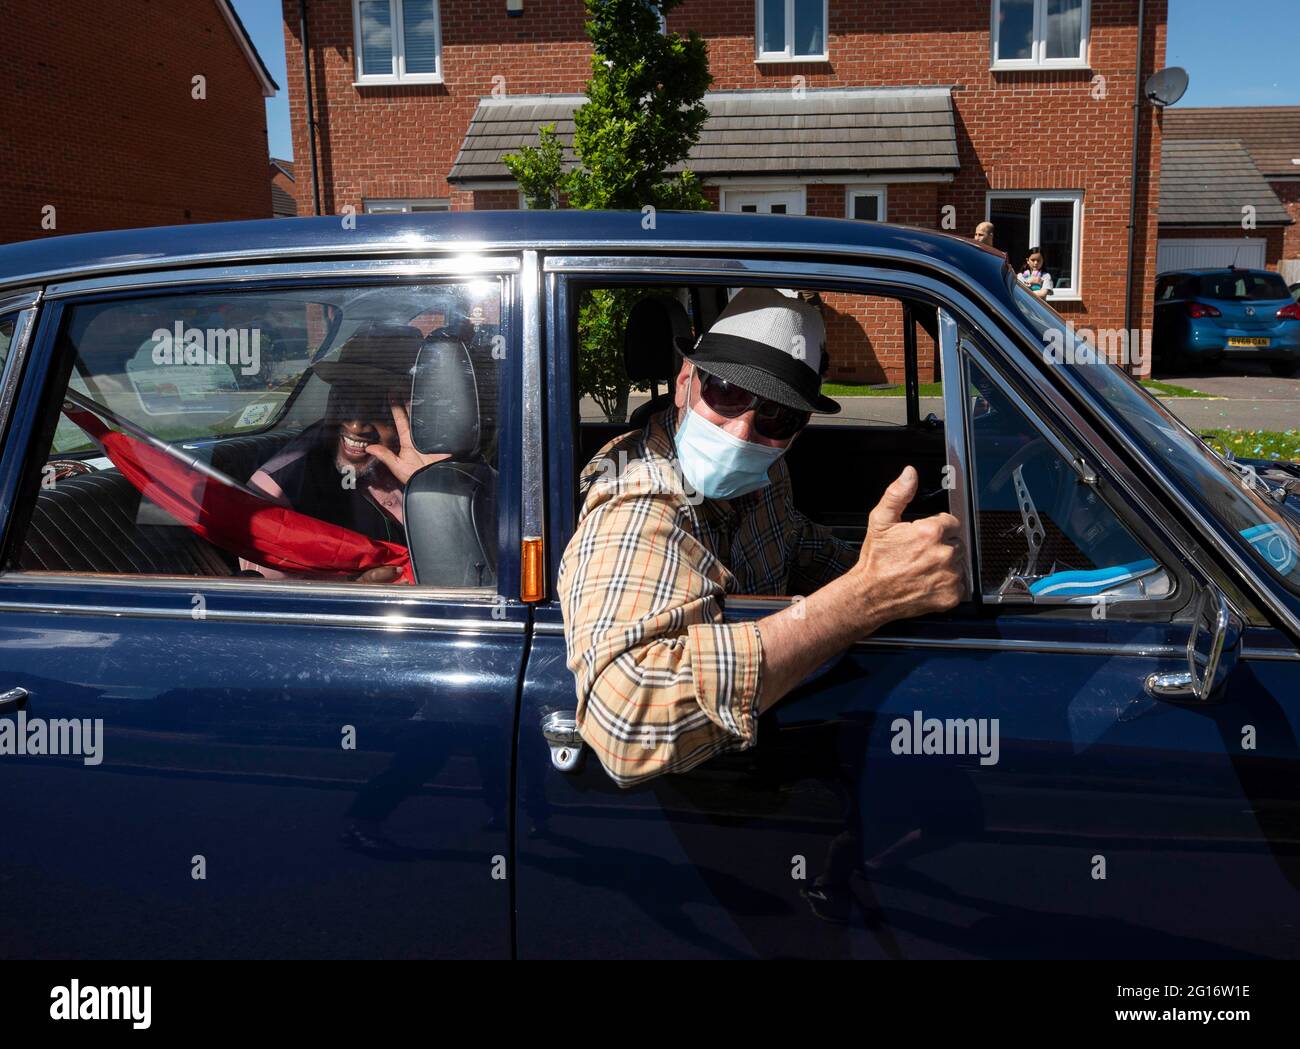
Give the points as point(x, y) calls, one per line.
point(1044, 537)
point(328, 434)
point(8, 327)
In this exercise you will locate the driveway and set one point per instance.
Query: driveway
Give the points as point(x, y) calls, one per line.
point(1253, 399)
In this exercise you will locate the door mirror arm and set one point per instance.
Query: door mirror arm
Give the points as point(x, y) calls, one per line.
point(1212, 653)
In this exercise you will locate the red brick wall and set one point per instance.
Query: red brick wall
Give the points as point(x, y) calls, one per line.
point(1289, 194)
point(1015, 130)
point(98, 108)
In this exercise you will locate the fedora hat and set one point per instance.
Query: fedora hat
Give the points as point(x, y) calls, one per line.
point(770, 344)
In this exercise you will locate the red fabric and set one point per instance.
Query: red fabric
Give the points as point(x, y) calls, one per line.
point(254, 528)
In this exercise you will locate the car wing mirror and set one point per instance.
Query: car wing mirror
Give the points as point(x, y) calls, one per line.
point(1212, 653)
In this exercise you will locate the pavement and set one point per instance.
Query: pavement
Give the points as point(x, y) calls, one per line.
point(1252, 399)
point(1248, 398)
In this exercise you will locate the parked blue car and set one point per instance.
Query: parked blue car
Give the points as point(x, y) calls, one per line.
point(1206, 317)
point(221, 736)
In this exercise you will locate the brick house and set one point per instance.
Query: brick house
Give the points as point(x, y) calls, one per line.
point(936, 115)
point(108, 133)
point(284, 200)
point(1218, 160)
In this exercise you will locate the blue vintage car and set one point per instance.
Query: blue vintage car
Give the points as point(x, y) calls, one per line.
point(222, 736)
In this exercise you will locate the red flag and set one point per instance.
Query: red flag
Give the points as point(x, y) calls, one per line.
point(239, 522)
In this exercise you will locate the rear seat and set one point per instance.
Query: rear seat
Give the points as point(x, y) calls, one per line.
point(96, 523)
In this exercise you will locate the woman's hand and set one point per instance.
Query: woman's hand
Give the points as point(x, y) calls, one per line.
point(403, 463)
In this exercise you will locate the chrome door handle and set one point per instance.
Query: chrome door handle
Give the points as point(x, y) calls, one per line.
point(13, 699)
point(1177, 684)
point(560, 727)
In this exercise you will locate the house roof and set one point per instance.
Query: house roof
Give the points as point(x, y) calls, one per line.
point(1270, 133)
point(285, 166)
point(269, 86)
point(1207, 183)
point(835, 131)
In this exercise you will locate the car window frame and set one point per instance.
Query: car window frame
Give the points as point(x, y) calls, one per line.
point(19, 472)
point(895, 282)
point(1168, 609)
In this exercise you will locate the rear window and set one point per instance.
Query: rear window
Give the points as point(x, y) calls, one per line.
point(1244, 287)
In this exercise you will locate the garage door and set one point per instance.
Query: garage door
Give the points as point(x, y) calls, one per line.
point(1208, 253)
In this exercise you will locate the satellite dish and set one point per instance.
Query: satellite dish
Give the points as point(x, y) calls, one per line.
point(1167, 86)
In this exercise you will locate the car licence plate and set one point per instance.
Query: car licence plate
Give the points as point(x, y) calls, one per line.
point(1243, 340)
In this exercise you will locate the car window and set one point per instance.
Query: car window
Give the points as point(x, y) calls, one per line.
point(1243, 287)
point(1043, 537)
point(622, 344)
point(324, 434)
point(8, 326)
point(1229, 493)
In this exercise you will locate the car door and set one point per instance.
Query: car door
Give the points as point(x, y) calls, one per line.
point(270, 767)
point(995, 782)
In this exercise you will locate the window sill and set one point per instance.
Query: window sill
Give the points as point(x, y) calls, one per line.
point(1040, 67)
point(774, 60)
point(393, 81)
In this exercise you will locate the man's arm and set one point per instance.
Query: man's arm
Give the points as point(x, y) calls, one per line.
point(662, 683)
point(904, 569)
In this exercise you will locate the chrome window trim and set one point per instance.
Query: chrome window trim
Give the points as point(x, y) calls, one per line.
point(956, 432)
point(385, 622)
point(24, 328)
point(532, 499)
point(414, 248)
point(18, 300)
point(398, 595)
point(457, 266)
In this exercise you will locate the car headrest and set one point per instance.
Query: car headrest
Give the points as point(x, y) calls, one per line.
point(444, 399)
point(653, 326)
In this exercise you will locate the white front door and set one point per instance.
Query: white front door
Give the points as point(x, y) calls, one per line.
point(764, 201)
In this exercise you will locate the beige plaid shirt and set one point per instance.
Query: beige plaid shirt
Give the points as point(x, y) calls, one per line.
point(663, 683)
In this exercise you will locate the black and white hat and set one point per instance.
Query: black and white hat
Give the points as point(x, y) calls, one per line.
point(769, 344)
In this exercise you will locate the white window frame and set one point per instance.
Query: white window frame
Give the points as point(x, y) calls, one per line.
point(801, 192)
point(404, 205)
point(1038, 60)
point(787, 56)
point(1037, 197)
point(879, 192)
point(398, 74)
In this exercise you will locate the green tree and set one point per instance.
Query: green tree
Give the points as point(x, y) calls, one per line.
point(643, 113)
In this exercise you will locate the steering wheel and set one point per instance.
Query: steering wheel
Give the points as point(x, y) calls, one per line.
point(1057, 506)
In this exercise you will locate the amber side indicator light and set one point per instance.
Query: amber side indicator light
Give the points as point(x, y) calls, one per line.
point(530, 569)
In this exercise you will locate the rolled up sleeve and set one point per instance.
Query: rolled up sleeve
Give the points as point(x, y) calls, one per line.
point(663, 684)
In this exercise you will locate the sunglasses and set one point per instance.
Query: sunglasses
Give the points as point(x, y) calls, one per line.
point(772, 420)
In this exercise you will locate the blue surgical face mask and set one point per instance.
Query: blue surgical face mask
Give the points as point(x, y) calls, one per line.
point(720, 465)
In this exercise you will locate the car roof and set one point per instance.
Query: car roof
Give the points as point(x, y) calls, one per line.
point(408, 235)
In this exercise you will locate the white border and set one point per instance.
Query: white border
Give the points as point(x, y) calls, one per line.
point(398, 75)
point(1037, 196)
point(801, 191)
point(761, 56)
point(1040, 43)
point(880, 192)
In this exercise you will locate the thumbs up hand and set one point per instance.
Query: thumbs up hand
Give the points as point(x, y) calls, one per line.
point(909, 568)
